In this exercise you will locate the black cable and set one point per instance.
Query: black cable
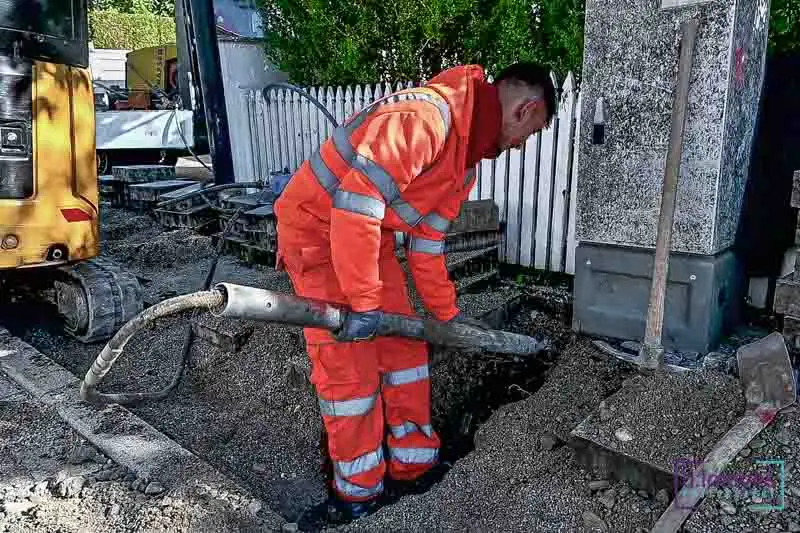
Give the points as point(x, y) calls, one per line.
point(301, 92)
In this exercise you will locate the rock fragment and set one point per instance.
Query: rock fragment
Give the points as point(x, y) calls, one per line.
point(70, 487)
point(592, 522)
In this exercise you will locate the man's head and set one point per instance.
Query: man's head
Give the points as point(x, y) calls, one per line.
point(528, 100)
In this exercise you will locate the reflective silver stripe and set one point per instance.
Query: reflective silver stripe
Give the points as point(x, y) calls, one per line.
point(359, 465)
point(437, 222)
point(406, 212)
point(426, 246)
point(382, 180)
point(414, 455)
point(407, 428)
point(356, 407)
point(410, 94)
point(341, 140)
point(345, 487)
point(404, 377)
point(325, 177)
point(359, 203)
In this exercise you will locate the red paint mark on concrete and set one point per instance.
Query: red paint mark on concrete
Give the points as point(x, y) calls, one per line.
point(741, 62)
point(766, 415)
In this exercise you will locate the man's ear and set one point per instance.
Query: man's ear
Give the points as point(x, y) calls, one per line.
point(530, 109)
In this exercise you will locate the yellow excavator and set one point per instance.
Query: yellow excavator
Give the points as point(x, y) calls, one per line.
point(49, 208)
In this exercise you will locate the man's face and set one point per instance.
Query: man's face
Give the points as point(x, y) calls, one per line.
point(522, 118)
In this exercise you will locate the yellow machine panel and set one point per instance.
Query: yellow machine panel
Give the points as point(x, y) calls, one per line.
point(152, 67)
point(58, 222)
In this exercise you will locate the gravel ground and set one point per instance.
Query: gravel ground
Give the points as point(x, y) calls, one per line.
point(51, 480)
point(733, 506)
point(521, 477)
point(251, 415)
point(666, 417)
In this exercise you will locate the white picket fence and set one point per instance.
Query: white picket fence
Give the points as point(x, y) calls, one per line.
point(534, 188)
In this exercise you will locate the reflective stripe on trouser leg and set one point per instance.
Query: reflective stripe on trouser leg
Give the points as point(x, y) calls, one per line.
point(346, 376)
point(347, 475)
point(413, 445)
point(406, 386)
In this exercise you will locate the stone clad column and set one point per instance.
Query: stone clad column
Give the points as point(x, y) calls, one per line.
point(629, 78)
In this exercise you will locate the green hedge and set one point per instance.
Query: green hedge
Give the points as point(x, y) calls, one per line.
point(112, 29)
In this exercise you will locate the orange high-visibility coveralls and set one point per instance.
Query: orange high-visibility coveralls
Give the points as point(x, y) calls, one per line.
point(399, 165)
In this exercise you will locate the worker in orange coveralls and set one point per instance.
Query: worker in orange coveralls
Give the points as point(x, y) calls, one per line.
point(403, 164)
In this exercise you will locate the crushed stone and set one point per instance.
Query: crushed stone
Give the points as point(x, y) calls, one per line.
point(35, 450)
point(729, 503)
point(668, 417)
point(163, 250)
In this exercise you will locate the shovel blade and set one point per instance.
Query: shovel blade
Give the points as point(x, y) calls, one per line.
point(766, 373)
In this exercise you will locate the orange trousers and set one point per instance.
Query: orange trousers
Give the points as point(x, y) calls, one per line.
point(363, 387)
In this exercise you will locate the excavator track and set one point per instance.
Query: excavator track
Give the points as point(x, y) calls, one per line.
point(96, 298)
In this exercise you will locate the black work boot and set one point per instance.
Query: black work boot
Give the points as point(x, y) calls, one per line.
point(334, 512)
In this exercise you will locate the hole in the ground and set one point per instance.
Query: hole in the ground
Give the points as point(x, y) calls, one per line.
point(467, 388)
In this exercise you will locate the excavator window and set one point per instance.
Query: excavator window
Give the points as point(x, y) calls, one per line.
point(52, 18)
point(49, 30)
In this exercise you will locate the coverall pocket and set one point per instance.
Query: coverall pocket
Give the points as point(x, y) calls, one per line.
point(317, 273)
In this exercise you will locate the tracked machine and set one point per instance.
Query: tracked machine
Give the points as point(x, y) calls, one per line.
point(49, 209)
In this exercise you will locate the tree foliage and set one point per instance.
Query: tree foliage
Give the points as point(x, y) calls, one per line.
point(164, 8)
point(335, 42)
point(327, 41)
point(785, 27)
point(131, 24)
point(130, 31)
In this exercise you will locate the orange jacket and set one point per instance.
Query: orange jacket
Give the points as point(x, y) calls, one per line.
point(398, 165)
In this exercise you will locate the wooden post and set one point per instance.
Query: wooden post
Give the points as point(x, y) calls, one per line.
point(651, 355)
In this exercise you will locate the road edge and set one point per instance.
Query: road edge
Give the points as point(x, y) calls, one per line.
point(126, 438)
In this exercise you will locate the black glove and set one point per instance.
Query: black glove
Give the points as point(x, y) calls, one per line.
point(469, 321)
point(360, 326)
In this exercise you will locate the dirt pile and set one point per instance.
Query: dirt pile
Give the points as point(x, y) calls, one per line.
point(668, 417)
point(163, 250)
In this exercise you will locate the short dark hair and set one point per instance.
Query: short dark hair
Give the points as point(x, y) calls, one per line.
point(536, 76)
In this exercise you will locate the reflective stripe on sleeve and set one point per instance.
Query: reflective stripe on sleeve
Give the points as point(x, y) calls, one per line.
point(437, 222)
point(404, 377)
point(359, 203)
point(426, 246)
point(326, 178)
point(355, 407)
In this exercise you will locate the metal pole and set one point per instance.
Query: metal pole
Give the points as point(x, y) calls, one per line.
point(651, 355)
point(201, 15)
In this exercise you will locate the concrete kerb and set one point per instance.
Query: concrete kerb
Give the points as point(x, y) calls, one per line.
point(126, 438)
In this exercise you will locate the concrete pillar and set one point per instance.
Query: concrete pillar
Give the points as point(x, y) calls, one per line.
point(629, 78)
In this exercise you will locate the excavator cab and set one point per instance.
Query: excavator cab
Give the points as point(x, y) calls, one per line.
point(49, 207)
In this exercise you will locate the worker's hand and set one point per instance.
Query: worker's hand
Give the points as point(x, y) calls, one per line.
point(469, 321)
point(360, 326)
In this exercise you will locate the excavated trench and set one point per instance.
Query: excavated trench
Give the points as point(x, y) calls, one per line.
point(467, 388)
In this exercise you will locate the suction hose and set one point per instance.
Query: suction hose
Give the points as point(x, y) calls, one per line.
point(114, 348)
point(236, 301)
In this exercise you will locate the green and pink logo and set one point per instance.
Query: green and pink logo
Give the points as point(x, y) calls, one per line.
point(764, 485)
